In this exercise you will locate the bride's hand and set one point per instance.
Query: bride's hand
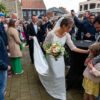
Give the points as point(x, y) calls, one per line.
point(87, 51)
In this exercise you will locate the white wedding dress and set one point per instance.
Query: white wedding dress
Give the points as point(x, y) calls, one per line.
point(52, 72)
point(53, 75)
point(55, 81)
point(56, 76)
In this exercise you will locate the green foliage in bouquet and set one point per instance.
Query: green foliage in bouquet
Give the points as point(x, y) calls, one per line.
point(55, 49)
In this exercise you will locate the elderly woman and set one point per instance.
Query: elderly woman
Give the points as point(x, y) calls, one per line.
point(14, 48)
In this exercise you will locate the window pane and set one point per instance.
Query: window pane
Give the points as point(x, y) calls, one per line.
point(24, 13)
point(86, 7)
point(29, 13)
point(38, 13)
point(92, 5)
point(80, 7)
point(98, 6)
point(34, 12)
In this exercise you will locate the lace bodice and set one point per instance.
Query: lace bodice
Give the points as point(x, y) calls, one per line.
point(52, 37)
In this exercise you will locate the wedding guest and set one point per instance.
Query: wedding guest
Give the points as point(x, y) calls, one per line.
point(25, 24)
point(4, 65)
point(86, 15)
point(91, 74)
point(46, 25)
point(97, 26)
point(3, 33)
point(34, 30)
point(86, 27)
point(14, 44)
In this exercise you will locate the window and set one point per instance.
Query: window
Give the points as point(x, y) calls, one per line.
point(92, 5)
point(24, 13)
point(80, 7)
point(29, 13)
point(42, 12)
point(34, 12)
point(86, 7)
point(98, 6)
point(38, 13)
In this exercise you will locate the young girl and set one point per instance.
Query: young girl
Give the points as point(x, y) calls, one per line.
point(92, 73)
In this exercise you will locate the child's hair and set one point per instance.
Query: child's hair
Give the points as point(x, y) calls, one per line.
point(95, 48)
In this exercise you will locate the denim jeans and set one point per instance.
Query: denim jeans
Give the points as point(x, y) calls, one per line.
point(3, 82)
point(98, 98)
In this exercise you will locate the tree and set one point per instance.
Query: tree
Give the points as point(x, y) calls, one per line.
point(3, 8)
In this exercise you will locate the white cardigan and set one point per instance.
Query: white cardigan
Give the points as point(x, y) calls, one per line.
point(93, 74)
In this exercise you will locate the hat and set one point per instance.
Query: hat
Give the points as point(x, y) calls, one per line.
point(2, 14)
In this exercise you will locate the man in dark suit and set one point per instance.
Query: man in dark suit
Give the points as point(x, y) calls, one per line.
point(86, 29)
point(2, 30)
point(97, 26)
point(34, 30)
point(46, 25)
point(4, 65)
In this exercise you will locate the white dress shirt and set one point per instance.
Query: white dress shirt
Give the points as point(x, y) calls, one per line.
point(35, 27)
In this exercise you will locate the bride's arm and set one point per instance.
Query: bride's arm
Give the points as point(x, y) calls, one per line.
point(48, 38)
point(81, 50)
point(73, 47)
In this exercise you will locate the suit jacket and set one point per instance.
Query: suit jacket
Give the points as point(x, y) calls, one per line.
point(4, 61)
point(84, 27)
point(3, 34)
point(98, 39)
point(31, 32)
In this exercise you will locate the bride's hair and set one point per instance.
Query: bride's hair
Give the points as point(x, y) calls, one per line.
point(66, 19)
point(66, 22)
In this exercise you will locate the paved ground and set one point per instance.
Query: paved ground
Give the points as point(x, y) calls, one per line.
point(28, 87)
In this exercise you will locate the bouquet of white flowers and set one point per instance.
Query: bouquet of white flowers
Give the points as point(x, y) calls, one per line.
point(54, 49)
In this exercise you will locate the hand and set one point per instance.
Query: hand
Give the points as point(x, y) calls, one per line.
point(87, 60)
point(31, 37)
point(41, 43)
point(88, 35)
point(9, 67)
point(86, 51)
point(73, 13)
point(90, 65)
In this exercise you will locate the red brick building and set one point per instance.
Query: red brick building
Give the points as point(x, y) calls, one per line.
point(33, 7)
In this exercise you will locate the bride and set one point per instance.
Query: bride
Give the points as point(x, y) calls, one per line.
point(54, 82)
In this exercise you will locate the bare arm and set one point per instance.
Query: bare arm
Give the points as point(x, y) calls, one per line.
point(80, 50)
point(73, 47)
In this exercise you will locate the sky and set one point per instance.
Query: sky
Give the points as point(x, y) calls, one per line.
point(68, 4)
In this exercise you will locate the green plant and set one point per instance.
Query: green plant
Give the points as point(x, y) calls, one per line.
point(3, 9)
